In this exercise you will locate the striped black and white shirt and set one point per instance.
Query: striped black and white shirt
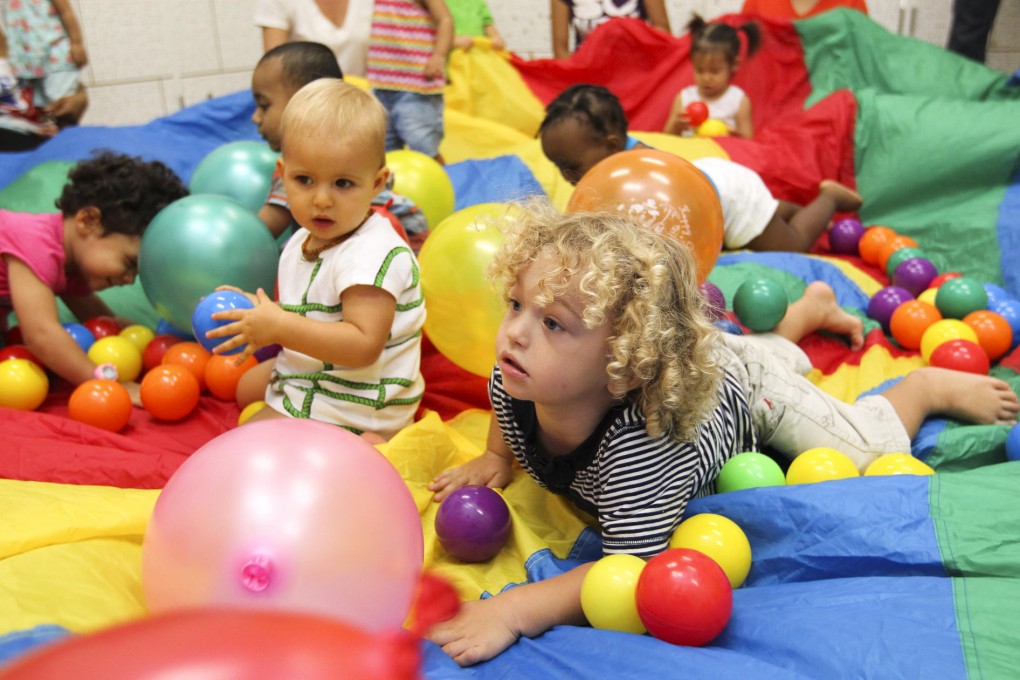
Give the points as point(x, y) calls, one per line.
point(636, 486)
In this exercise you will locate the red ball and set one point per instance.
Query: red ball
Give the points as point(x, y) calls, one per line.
point(697, 113)
point(102, 326)
point(153, 354)
point(961, 355)
point(942, 278)
point(105, 404)
point(170, 392)
point(684, 597)
point(20, 352)
point(13, 336)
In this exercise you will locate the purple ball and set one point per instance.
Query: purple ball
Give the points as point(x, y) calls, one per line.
point(884, 303)
point(915, 274)
point(715, 302)
point(472, 523)
point(845, 235)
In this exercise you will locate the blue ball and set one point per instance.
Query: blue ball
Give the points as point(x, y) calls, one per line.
point(1009, 309)
point(1013, 443)
point(995, 294)
point(82, 335)
point(202, 321)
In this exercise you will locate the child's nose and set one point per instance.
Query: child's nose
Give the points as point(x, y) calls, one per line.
point(322, 197)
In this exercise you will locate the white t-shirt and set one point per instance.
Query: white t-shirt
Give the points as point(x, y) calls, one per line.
point(724, 108)
point(747, 204)
point(305, 21)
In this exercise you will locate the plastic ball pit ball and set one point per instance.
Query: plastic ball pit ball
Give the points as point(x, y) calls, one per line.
point(883, 303)
point(910, 320)
point(959, 297)
point(105, 404)
point(202, 321)
point(961, 355)
point(845, 236)
point(684, 597)
point(914, 274)
point(749, 470)
point(715, 301)
point(170, 392)
point(608, 594)
point(820, 464)
point(721, 539)
point(473, 523)
point(760, 304)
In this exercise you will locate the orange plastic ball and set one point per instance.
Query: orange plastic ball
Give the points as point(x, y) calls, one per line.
point(994, 333)
point(191, 356)
point(105, 404)
point(170, 392)
point(222, 374)
point(910, 320)
point(891, 246)
point(664, 193)
point(872, 240)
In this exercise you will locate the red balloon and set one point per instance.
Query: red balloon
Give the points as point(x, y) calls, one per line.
point(105, 404)
point(170, 392)
point(225, 644)
point(152, 355)
point(697, 113)
point(102, 326)
point(660, 191)
point(961, 355)
point(20, 352)
point(684, 597)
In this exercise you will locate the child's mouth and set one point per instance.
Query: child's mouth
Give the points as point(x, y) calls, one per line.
point(509, 365)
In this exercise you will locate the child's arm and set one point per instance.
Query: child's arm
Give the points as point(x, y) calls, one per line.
point(484, 628)
point(276, 217)
point(655, 10)
point(493, 468)
point(743, 119)
point(560, 29)
point(435, 69)
point(70, 22)
point(356, 341)
point(36, 308)
point(677, 123)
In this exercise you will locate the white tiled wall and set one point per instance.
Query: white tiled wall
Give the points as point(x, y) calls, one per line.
point(149, 58)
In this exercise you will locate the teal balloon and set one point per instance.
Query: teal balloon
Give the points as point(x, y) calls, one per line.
point(760, 304)
point(241, 170)
point(200, 242)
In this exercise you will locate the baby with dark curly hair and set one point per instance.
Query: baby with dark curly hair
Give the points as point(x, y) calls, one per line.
point(91, 244)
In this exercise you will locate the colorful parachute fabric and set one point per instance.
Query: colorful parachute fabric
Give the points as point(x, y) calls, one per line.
point(872, 577)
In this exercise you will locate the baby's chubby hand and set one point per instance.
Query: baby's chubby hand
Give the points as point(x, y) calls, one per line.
point(253, 328)
point(489, 469)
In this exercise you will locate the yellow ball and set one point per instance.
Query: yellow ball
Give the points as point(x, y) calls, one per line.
point(23, 385)
point(608, 594)
point(250, 410)
point(712, 127)
point(898, 464)
point(423, 180)
point(928, 296)
point(721, 539)
point(943, 331)
point(140, 336)
point(820, 464)
point(465, 307)
point(119, 351)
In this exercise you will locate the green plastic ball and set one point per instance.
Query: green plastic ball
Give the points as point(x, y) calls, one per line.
point(956, 298)
point(240, 170)
point(760, 304)
point(901, 255)
point(749, 470)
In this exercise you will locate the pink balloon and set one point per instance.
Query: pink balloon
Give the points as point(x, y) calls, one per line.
point(286, 514)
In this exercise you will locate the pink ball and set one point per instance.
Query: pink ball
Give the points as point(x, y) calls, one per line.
point(286, 514)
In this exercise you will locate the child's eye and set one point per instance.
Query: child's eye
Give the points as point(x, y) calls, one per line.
point(515, 305)
point(344, 183)
point(303, 179)
point(552, 324)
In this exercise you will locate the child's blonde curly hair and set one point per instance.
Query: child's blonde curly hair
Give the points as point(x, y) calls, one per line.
point(642, 284)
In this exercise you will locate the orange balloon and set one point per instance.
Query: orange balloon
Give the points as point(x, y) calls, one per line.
point(891, 246)
point(222, 374)
point(910, 320)
point(994, 333)
point(191, 356)
point(664, 193)
point(170, 392)
point(872, 240)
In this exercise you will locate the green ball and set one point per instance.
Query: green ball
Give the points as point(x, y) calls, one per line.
point(899, 256)
point(760, 304)
point(240, 170)
point(200, 242)
point(956, 298)
point(749, 470)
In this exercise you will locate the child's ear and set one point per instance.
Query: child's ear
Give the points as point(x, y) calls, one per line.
point(615, 143)
point(380, 179)
point(279, 165)
point(89, 220)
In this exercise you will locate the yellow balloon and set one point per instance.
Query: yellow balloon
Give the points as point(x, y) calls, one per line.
point(898, 464)
point(23, 385)
point(608, 594)
point(713, 127)
point(423, 180)
point(119, 351)
point(942, 331)
point(721, 539)
point(820, 465)
point(250, 410)
point(464, 306)
point(140, 336)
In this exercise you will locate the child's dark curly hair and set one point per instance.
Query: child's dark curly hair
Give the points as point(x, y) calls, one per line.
point(591, 104)
point(127, 191)
point(708, 36)
point(302, 62)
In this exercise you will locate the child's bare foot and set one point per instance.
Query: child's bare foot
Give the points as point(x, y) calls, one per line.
point(970, 397)
point(845, 198)
point(817, 310)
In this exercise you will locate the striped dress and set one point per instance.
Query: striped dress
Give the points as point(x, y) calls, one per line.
point(403, 38)
point(636, 487)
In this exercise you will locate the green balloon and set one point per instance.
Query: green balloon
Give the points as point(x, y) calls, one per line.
point(760, 304)
point(37, 189)
point(198, 243)
point(749, 470)
point(241, 170)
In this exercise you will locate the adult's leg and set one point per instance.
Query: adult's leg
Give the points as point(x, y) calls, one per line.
point(972, 24)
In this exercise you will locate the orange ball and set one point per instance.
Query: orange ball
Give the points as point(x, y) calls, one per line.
point(872, 240)
point(191, 356)
point(994, 333)
point(222, 374)
point(170, 392)
point(891, 246)
point(105, 404)
point(910, 320)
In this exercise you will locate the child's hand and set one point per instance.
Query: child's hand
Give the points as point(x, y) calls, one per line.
point(253, 328)
point(134, 391)
point(489, 469)
point(464, 42)
point(435, 68)
point(234, 289)
point(480, 630)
